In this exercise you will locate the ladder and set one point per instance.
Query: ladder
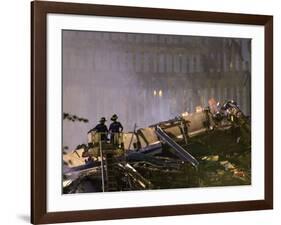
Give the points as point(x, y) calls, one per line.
point(108, 162)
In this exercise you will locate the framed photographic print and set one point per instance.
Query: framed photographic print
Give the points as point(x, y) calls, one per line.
point(144, 112)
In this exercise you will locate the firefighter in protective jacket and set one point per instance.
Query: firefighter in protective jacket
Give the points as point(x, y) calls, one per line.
point(115, 128)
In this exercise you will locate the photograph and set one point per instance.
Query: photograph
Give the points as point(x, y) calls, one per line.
point(121, 112)
point(141, 112)
point(149, 111)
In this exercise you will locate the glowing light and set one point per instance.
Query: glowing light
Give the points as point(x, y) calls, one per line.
point(184, 114)
point(154, 93)
point(198, 109)
point(160, 93)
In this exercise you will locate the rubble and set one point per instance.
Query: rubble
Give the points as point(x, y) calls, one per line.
point(209, 147)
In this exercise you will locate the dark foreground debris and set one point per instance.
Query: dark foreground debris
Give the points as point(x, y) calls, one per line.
point(210, 147)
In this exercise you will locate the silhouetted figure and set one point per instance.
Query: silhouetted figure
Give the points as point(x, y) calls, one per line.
point(115, 128)
point(101, 128)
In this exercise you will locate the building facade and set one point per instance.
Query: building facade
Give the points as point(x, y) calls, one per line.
point(147, 78)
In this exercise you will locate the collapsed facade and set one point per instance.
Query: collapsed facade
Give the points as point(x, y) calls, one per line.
point(209, 147)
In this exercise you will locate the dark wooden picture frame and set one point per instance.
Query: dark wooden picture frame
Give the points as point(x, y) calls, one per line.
point(39, 13)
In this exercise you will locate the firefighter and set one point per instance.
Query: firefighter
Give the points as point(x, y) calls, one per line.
point(101, 128)
point(115, 128)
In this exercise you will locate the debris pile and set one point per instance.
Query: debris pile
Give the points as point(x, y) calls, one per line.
point(210, 147)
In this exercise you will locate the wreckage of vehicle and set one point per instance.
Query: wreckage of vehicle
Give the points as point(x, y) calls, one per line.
point(209, 147)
